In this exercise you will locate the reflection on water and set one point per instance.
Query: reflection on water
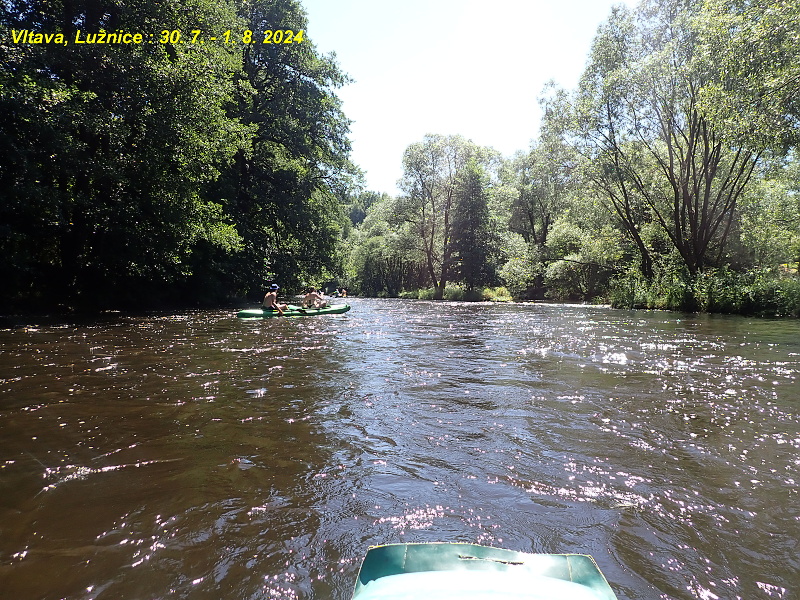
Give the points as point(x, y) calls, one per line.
point(203, 456)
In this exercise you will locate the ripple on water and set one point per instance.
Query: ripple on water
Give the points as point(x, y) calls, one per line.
point(201, 456)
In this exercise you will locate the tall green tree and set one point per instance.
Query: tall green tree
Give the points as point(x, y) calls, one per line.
point(106, 149)
point(600, 110)
point(472, 228)
point(430, 172)
point(750, 52)
point(283, 191)
point(654, 154)
point(169, 169)
point(383, 257)
point(542, 180)
point(547, 173)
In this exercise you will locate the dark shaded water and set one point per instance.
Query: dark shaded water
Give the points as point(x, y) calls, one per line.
point(201, 456)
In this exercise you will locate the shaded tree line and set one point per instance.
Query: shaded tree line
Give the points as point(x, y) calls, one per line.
point(156, 173)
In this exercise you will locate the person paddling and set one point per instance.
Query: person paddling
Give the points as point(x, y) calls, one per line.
point(313, 299)
point(271, 299)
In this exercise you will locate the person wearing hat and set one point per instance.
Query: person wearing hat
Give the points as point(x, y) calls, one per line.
point(271, 299)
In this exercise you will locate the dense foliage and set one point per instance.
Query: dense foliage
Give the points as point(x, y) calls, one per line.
point(169, 172)
point(668, 179)
point(139, 174)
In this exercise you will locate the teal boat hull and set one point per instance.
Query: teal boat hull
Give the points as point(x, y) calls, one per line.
point(292, 311)
point(445, 571)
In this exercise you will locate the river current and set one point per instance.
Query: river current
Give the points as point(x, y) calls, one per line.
point(201, 456)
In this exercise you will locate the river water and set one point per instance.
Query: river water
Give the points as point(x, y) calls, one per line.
point(201, 456)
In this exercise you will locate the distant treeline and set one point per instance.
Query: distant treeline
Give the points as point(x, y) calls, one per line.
point(670, 178)
point(197, 159)
point(178, 165)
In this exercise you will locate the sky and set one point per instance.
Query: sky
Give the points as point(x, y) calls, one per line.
point(464, 67)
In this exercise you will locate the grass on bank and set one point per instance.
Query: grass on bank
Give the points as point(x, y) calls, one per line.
point(459, 294)
point(761, 293)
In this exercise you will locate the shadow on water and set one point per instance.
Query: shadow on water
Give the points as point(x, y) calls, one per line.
point(202, 456)
point(175, 455)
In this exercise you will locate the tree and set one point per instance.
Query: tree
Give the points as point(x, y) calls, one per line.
point(546, 174)
point(106, 149)
point(430, 171)
point(358, 206)
point(770, 217)
point(542, 179)
point(472, 232)
point(750, 53)
point(654, 154)
point(283, 190)
point(168, 170)
point(584, 259)
point(383, 258)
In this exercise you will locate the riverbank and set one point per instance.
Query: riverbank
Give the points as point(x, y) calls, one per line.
point(459, 294)
point(720, 291)
point(753, 293)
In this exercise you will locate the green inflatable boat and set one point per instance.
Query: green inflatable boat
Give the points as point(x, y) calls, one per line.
point(444, 571)
point(292, 311)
